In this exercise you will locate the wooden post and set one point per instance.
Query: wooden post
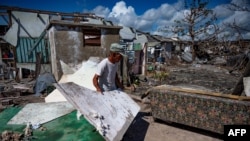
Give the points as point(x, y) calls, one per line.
point(38, 64)
point(145, 56)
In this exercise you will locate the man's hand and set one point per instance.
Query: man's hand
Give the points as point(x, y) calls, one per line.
point(99, 90)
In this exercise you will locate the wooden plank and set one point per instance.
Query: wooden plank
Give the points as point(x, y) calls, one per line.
point(111, 112)
point(197, 91)
point(202, 92)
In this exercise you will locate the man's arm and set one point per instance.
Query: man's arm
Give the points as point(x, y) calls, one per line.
point(95, 82)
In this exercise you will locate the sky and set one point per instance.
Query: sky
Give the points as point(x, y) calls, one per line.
point(143, 15)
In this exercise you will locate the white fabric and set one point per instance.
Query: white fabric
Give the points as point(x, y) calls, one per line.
point(107, 72)
point(152, 51)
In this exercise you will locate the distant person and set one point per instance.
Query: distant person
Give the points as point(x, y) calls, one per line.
point(106, 77)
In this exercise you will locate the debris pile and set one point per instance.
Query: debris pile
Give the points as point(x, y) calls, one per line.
point(11, 136)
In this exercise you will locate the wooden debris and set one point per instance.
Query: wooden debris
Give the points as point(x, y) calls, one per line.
point(6, 102)
point(11, 136)
point(28, 130)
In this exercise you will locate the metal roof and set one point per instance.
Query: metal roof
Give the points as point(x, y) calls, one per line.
point(153, 44)
point(127, 33)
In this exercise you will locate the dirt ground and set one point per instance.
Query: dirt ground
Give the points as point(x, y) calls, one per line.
point(144, 128)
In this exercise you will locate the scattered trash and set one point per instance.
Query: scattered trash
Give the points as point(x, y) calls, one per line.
point(28, 130)
point(36, 126)
point(187, 56)
point(11, 136)
point(78, 115)
point(42, 82)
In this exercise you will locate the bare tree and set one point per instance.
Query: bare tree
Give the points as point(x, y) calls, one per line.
point(238, 7)
point(243, 6)
point(198, 23)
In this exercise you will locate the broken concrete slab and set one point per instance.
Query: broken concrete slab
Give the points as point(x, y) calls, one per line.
point(66, 69)
point(55, 96)
point(111, 112)
point(82, 77)
point(39, 113)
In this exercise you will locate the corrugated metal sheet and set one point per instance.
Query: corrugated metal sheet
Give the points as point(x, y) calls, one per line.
point(127, 33)
point(25, 45)
point(140, 38)
point(25, 24)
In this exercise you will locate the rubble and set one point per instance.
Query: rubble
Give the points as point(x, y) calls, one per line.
point(213, 78)
point(6, 102)
point(214, 74)
point(11, 136)
point(28, 130)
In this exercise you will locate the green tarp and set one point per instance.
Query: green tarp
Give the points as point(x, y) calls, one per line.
point(65, 128)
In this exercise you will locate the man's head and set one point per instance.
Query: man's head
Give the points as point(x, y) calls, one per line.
point(117, 48)
point(116, 52)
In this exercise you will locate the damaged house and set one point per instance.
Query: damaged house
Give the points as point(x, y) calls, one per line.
point(42, 39)
point(143, 49)
point(135, 45)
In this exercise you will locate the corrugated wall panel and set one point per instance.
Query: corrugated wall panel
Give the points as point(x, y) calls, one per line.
point(25, 45)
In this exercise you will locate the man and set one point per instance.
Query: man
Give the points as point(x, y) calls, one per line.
point(106, 77)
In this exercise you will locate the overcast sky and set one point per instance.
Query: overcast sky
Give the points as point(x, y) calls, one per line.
point(147, 16)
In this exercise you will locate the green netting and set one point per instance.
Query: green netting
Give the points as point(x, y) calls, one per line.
point(65, 128)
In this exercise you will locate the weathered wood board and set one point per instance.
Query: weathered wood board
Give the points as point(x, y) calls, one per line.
point(110, 112)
